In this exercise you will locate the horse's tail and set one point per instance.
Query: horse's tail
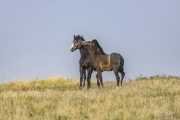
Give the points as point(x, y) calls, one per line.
point(120, 69)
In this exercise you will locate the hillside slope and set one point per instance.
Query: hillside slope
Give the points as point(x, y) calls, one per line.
point(156, 97)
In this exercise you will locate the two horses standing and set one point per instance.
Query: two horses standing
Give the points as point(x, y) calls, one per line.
point(94, 58)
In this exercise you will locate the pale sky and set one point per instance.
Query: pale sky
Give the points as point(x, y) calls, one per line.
point(36, 35)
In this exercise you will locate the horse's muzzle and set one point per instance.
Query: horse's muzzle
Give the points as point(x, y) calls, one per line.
point(72, 49)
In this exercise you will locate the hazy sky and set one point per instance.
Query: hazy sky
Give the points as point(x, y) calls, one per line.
point(36, 35)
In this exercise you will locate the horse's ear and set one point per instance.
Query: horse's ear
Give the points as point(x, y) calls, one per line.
point(78, 36)
point(74, 35)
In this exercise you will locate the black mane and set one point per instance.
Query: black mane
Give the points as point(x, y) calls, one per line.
point(100, 48)
point(78, 37)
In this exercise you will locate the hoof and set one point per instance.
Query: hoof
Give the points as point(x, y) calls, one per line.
point(118, 87)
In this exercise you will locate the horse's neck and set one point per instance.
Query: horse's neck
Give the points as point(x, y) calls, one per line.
point(84, 53)
point(95, 53)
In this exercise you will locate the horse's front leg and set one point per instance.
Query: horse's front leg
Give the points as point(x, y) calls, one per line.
point(97, 77)
point(84, 75)
point(81, 77)
point(90, 70)
point(100, 77)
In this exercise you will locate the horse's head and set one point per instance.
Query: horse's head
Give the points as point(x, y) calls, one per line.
point(76, 43)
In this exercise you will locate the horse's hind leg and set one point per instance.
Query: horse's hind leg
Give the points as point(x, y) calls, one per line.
point(117, 77)
point(122, 76)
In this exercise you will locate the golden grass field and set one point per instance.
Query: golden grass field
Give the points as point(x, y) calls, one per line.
point(156, 97)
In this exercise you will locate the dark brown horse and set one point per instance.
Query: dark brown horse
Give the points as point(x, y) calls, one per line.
point(85, 62)
point(104, 62)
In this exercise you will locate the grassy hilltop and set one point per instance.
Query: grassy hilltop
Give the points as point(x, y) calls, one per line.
point(156, 97)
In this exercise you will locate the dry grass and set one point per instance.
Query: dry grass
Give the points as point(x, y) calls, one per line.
point(60, 99)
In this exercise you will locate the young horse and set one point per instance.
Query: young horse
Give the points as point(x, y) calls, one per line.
point(85, 62)
point(103, 62)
